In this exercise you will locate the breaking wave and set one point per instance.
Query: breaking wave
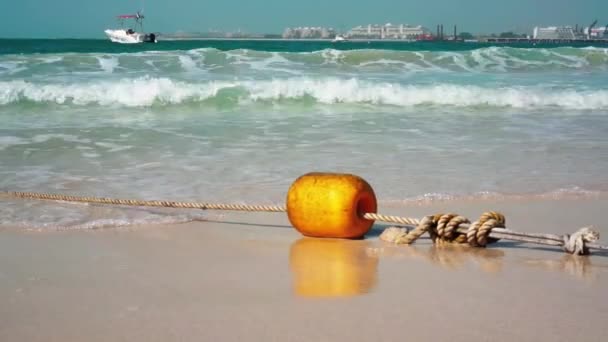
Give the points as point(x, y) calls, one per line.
point(146, 91)
point(488, 59)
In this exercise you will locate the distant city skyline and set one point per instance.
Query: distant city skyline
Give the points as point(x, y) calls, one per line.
point(81, 19)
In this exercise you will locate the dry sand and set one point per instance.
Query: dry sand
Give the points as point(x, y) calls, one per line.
point(250, 277)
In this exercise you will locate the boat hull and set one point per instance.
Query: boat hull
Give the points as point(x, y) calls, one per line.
point(122, 37)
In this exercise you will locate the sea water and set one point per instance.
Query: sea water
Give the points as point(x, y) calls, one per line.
point(238, 121)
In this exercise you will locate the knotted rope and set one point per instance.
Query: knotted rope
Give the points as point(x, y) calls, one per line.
point(577, 242)
point(443, 228)
point(453, 228)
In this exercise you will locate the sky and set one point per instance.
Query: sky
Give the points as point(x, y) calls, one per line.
point(88, 18)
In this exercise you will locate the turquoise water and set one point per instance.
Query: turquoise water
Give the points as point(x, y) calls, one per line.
point(29, 46)
point(238, 121)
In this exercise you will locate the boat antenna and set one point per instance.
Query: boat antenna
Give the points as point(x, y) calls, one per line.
point(140, 14)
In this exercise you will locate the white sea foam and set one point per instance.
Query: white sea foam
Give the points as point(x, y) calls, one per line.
point(7, 141)
point(130, 93)
point(266, 62)
point(596, 49)
point(42, 138)
point(11, 67)
point(163, 91)
point(332, 56)
point(491, 59)
point(127, 222)
point(565, 60)
point(187, 63)
point(113, 147)
point(275, 62)
point(51, 59)
point(108, 64)
point(393, 63)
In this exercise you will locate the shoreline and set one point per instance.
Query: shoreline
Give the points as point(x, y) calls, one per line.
point(176, 216)
point(416, 209)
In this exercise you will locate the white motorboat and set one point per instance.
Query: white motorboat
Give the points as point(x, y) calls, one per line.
point(339, 38)
point(129, 36)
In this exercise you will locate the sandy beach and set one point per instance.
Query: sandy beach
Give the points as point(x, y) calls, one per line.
point(252, 277)
point(432, 127)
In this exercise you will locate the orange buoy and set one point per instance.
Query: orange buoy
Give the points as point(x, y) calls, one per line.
point(331, 205)
point(332, 267)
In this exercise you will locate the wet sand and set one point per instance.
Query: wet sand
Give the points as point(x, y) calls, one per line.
point(251, 277)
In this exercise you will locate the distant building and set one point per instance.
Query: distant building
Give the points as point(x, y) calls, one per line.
point(387, 31)
point(554, 32)
point(597, 33)
point(309, 33)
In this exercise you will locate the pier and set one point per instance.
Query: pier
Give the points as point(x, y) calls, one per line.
point(543, 41)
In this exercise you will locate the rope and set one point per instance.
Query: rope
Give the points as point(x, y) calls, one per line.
point(453, 228)
point(577, 243)
point(443, 228)
point(140, 203)
point(392, 219)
